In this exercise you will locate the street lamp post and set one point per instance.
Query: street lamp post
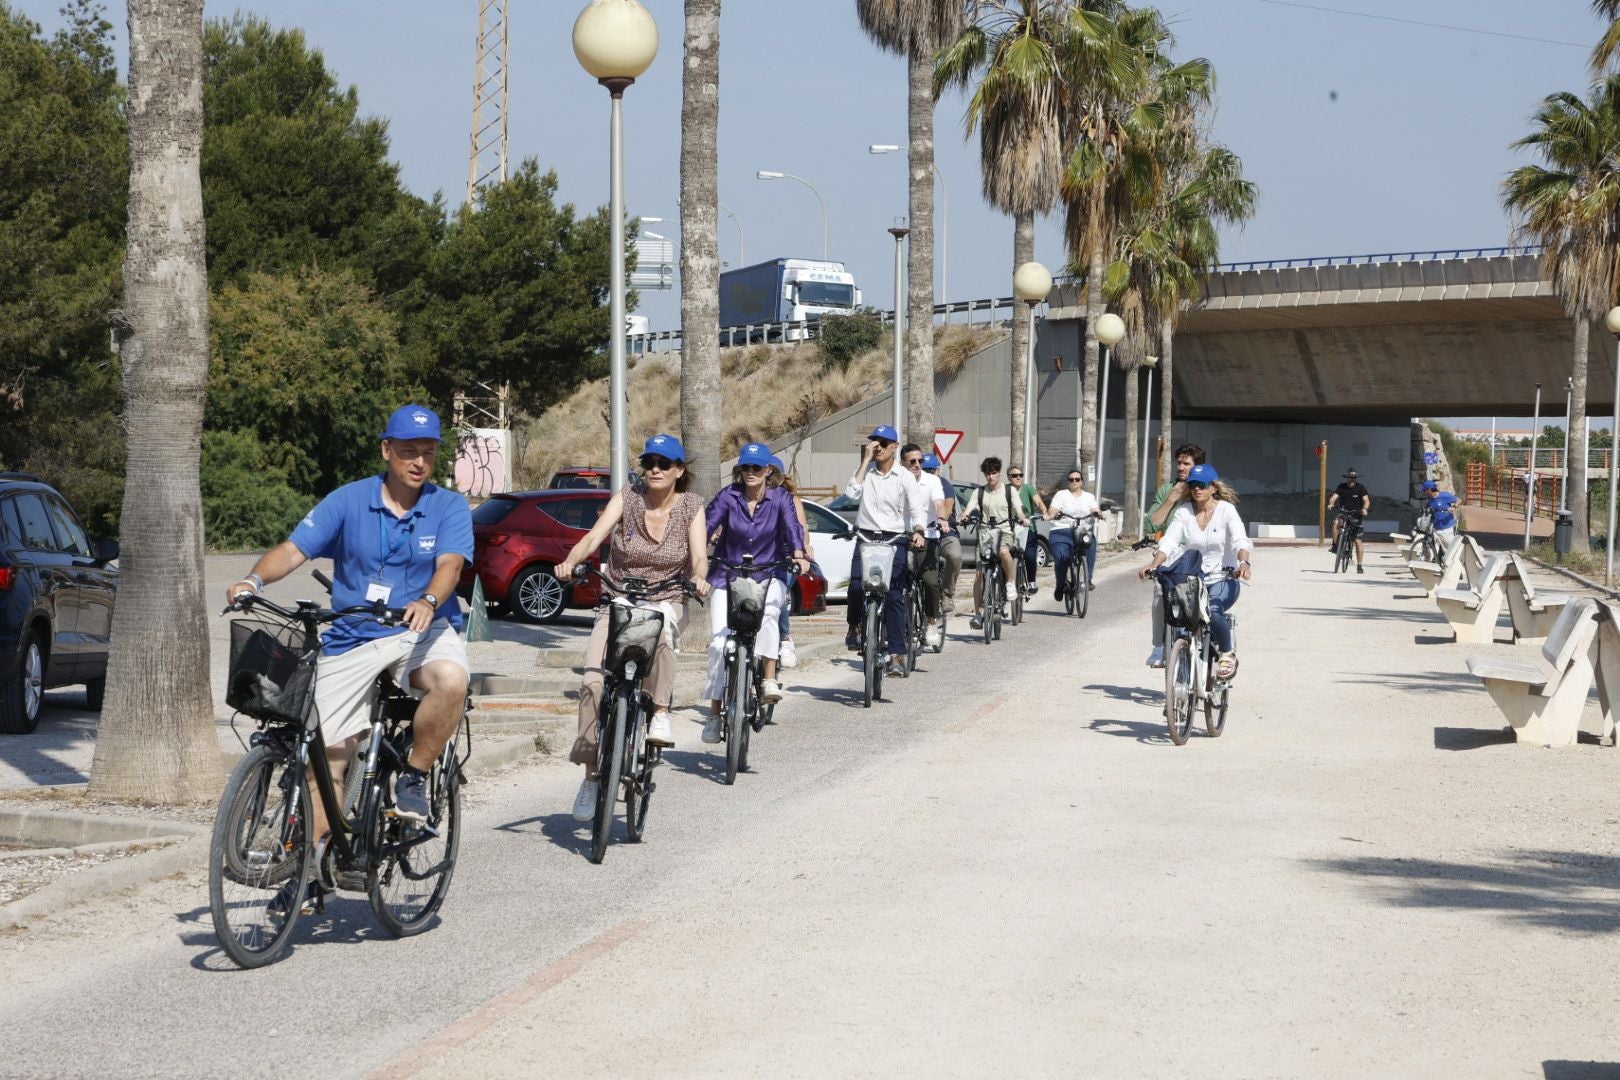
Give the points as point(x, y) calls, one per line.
point(1530, 473)
point(1110, 332)
point(899, 232)
point(944, 221)
point(742, 260)
point(1148, 364)
point(1569, 444)
point(1031, 284)
point(1612, 321)
point(615, 41)
point(770, 174)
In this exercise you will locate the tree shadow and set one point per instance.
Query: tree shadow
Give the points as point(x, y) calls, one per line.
point(1136, 695)
point(1562, 890)
point(1420, 682)
point(1458, 738)
point(1360, 614)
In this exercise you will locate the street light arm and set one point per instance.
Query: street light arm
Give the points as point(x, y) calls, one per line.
point(767, 174)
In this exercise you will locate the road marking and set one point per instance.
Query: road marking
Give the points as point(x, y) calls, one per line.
point(417, 1059)
point(979, 714)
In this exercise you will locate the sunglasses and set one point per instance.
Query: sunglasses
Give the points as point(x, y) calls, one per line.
point(885, 443)
point(1074, 479)
point(655, 461)
point(914, 461)
point(1015, 476)
point(753, 468)
point(1198, 485)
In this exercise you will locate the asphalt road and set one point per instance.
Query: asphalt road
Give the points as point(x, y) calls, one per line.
point(1006, 870)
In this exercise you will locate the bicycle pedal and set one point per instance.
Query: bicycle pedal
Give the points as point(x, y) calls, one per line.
point(349, 881)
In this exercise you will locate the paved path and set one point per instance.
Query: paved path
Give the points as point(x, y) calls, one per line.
point(1005, 871)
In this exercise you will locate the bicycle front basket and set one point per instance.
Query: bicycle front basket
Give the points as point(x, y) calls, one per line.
point(632, 633)
point(1425, 521)
point(1186, 603)
point(272, 672)
point(745, 605)
point(1020, 537)
point(877, 566)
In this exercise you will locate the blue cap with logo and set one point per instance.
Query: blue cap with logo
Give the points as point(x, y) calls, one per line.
point(776, 463)
point(884, 431)
point(754, 454)
point(930, 461)
point(1430, 485)
point(1202, 474)
point(412, 422)
point(667, 446)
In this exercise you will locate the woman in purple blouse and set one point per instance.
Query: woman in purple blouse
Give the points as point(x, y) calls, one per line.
point(750, 518)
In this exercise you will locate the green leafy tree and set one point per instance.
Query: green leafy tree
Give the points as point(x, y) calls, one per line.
point(248, 500)
point(842, 339)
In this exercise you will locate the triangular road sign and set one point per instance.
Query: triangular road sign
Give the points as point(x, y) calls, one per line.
point(945, 442)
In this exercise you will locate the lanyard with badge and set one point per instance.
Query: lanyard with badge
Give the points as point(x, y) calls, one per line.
point(376, 587)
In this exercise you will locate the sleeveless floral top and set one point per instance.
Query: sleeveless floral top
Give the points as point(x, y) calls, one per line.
point(636, 554)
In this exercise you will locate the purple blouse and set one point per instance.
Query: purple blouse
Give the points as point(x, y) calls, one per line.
point(770, 534)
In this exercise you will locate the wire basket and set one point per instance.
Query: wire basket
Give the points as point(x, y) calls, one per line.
point(745, 605)
point(272, 673)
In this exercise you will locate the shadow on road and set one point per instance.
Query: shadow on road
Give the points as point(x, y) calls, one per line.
point(347, 920)
point(1360, 614)
point(1580, 1070)
point(699, 763)
point(1462, 738)
point(1136, 695)
point(1413, 682)
point(1141, 731)
point(561, 829)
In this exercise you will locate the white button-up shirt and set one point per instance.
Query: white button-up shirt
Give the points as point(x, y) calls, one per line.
point(890, 502)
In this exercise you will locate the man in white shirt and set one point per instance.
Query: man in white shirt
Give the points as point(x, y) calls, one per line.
point(911, 456)
point(893, 505)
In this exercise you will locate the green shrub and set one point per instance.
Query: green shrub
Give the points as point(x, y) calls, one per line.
point(843, 338)
point(248, 504)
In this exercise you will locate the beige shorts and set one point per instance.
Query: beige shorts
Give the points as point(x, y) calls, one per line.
point(343, 683)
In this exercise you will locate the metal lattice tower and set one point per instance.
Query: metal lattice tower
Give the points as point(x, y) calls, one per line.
point(486, 158)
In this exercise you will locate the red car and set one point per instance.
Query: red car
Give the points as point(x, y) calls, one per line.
point(520, 537)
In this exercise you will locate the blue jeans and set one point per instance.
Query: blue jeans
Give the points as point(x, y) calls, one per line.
point(1062, 542)
point(894, 604)
point(1222, 595)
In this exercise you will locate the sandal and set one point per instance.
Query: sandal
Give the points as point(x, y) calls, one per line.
point(1226, 667)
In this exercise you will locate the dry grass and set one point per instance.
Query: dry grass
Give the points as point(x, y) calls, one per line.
point(769, 391)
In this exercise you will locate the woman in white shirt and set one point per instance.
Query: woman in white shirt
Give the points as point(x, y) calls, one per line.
point(1210, 526)
point(1073, 506)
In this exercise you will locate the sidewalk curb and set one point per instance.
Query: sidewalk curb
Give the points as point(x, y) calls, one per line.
point(1573, 576)
point(69, 829)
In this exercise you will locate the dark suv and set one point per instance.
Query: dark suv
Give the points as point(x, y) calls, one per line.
point(56, 601)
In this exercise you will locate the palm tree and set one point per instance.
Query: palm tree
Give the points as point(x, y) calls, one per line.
point(917, 29)
point(1608, 46)
point(1571, 206)
point(156, 740)
point(700, 245)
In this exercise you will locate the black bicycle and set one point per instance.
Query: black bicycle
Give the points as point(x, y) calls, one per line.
point(1349, 533)
point(260, 859)
point(878, 552)
point(1190, 678)
point(1075, 579)
point(744, 705)
point(1423, 531)
point(623, 758)
point(992, 582)
point(929, 562)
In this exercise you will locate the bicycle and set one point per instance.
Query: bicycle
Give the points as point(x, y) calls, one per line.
point(877, 552)
point(992, 585)
point(930, 563)
point(1423, 531)
point(1349, 533)
point(1075, 582)
point(743, 702)
point(261, 843)
point(623, 758)
point(1021, 582)
point(1190, 659)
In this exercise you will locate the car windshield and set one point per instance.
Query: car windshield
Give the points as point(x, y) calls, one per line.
point(826, 294)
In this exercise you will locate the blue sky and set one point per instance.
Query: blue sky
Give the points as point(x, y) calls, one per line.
point(1364, 134)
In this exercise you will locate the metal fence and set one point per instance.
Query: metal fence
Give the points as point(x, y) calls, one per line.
point(1507, 489)
point(806, 329)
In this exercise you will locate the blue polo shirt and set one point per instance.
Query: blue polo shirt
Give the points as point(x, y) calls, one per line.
point(1440, 505)
point(367, 543)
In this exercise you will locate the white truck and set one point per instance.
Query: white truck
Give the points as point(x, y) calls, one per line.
point(785, 290)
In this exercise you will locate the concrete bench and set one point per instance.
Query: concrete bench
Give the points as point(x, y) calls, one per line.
point(1460, 564)
point(1608, 669)
point(1533, 613)
point(1473, 610)
point(1543, 697)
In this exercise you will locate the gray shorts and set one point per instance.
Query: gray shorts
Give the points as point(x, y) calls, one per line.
point(343, 682)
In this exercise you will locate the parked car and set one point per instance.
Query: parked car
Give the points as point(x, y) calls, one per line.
point(520, 537)
point(581, 476)
point(56, 601)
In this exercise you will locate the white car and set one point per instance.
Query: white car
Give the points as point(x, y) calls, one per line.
point(835, 556)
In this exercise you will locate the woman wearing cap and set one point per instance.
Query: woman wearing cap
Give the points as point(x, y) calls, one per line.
point(1076, 505)
point(757, 521)
point(656, 525)
point(778, 478)
point(1210, 525)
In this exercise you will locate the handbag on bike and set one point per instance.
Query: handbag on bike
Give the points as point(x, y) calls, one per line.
point(1186, 600)
point(745, 605)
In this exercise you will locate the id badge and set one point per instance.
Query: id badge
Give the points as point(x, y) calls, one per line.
point(378, 590)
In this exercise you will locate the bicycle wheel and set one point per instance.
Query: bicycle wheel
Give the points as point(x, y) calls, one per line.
point(637, 772)
point(1178, 690)
point(1064, 582)
point(916, 628)
point(1001, 599)
point(736, 711)
point(1082, 588)
point(750, 723)
point(987, 603)
point(1342, 564)
point(415, 863)
point(607, 780)
point(1019, 584)
point(258, 860)
point(944, 624)
point(872, 657)
point(1215, 710)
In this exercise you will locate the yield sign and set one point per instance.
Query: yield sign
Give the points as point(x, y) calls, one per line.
point(945, 442)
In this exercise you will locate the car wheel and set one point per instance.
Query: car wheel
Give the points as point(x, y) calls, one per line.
point(23, 693)
point(537, 596)
point(95, 691)
point(1043, 554)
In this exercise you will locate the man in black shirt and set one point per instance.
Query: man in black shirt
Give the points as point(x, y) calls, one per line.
point(1351, 497)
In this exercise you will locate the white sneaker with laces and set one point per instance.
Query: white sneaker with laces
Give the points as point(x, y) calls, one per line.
point(932, 636)
point(1156, 657)
point(711, 729)
point(585, 801)
point(658, 730)
point(770, 691)
point(789, 657)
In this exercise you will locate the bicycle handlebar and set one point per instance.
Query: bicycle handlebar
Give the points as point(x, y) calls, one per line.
point(313, 614)
point(636, 588)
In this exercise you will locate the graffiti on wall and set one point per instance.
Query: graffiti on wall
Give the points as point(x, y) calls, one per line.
point(483, 463)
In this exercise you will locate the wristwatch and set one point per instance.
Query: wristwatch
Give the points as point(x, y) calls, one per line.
point(432, 600)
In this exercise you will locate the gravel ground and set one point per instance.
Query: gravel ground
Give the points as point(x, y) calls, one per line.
point(21, 875)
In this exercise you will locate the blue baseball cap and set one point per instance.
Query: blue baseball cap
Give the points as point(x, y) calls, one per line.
point(1430, 485)
point(777, 463)
point(930, 461)
point(412, 422)
point(754, 454)
point(884, 431)
point(1202, 474)
point(667, 446)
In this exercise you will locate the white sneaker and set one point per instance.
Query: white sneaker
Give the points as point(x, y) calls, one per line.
point(770, 691)
point(658, 732)
point(932, 636)
point(711, 729)
point(789, 657)
point(1156, 657)
point(585, 801)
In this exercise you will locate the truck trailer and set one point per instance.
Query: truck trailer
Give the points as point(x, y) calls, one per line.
point(786, 290)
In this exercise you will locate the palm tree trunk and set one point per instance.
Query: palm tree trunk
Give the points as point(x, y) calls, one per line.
point(700, 252)
point(1133, 433)
point(920, 264)
point(1167, 333)
point(1090, 396)
point(1575, 439)
point(1022, 326)
point(156, 740)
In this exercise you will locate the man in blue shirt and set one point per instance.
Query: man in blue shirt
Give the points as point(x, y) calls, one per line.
point(403, 540)
point(1441, 514)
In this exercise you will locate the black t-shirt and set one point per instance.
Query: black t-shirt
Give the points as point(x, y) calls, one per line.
point(1350, 496)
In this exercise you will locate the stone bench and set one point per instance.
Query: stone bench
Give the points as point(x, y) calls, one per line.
point(1543, 696)
point(1533, 613)
point(1473, 610)
point(1462, 563)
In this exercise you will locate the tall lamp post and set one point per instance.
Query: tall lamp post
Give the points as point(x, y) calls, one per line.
point(771, 174)
point(742, 259)
point(1110, 332)
point(1569, 444)
point(615, 41)
point(944, 220)
point(1612, 321)
point(1031, 284)
point(900, 232)
point(1530, 473)
point(1148, 364)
